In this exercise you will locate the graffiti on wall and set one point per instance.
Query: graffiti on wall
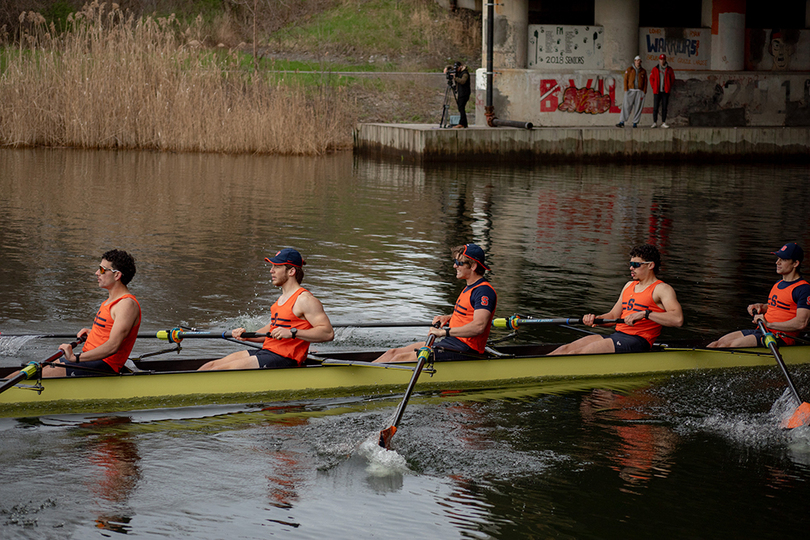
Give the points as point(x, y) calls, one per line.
point(555, 47)
point(777, 50)
point(594, 97)
point(687, 49)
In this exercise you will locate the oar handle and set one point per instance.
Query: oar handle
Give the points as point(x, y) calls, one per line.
point(512, 323)
point(176, 335)
point(30, 370)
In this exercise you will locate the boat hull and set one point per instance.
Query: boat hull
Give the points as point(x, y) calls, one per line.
point(156, 387)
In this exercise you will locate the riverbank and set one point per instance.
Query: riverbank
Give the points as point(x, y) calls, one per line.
point(427, 143)
point(114, 80)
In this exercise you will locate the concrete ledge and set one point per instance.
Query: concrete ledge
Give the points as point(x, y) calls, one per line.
point(421, 142)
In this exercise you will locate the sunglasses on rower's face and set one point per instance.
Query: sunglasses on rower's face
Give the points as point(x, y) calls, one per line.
point(457, 262)
point(638, 264)
point(102, 270)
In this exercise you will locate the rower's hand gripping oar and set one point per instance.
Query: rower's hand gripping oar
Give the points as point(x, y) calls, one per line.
point(801, 416)
point(30, 370)
point(514, 322)
point(424, 355)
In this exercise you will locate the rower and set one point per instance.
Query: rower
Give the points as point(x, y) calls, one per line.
point(297, 319)
point(468, 327)
point(115, 327)
point(646, 304)
point(787, 311)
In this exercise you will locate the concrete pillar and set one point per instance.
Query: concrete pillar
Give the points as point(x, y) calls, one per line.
point(620, 21)
point(728, 35)
point(510, 36)
point(706, 13)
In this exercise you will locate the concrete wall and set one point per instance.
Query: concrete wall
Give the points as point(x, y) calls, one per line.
point(594, 98)
point(619, 18)
point(510, 34)
point(420, 143)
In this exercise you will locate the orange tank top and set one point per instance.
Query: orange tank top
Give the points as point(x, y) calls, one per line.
point(283, 317)
point(640, 301)
point(100, 333)
point(464, 311)
point(782, 307)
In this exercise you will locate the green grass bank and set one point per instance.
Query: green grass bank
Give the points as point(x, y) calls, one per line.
point(247, 76)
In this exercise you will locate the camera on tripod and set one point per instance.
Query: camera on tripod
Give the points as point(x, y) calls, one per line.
point(451, 73)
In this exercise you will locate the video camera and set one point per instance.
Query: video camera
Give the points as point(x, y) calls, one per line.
point(451, 73)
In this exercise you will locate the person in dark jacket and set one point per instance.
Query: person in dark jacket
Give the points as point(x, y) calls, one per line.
point(461, 81)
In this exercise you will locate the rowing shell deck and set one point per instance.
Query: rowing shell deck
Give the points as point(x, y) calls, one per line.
point(168, 383)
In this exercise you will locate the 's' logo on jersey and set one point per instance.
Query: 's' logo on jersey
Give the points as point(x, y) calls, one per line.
point(485, 300)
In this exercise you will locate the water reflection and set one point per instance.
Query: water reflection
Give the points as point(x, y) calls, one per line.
point(643, 447)
point(111, 448)
point(377, 235)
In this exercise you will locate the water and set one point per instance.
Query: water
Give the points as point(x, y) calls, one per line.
point(689, 455)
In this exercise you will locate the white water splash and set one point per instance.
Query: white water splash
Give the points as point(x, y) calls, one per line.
point(11, 346)
point(381, 462)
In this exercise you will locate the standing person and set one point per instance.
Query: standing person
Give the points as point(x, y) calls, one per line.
point(461, 80)
point(469, 325)
point(635, 88)
point(297, 319)
point(646, 304)
point(662, 77)
point(787, 310)
point(115, 327)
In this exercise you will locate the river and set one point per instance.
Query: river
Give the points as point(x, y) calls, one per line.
point(684, 455)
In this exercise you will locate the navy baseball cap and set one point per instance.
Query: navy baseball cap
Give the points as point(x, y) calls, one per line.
point(287, 256)
point(791, 251)
point(474, 252)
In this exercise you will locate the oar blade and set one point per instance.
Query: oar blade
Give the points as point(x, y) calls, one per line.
point(386, 435)
point(800, 417)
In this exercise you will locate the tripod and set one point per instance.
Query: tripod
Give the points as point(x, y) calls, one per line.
point(445, 121)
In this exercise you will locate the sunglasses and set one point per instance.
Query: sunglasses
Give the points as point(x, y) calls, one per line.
point(638, 264)
point(457, 262)
point(102, 270)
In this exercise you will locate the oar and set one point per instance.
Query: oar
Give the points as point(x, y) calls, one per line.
point(165, 334)
point(31, 369)
point(514, 322)
point(176, 335)
point(424, 353)
point(801, 415)
point(67, 336)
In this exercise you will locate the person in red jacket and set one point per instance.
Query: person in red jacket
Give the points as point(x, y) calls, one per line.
point(787, 310)
point(662, 77)
point(297, 319)
point(464, 333)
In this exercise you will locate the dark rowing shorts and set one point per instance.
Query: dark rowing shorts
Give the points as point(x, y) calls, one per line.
point(450, 348)
point(74, 369)
point(625, 343)
point(755, 332)
point(269, 359)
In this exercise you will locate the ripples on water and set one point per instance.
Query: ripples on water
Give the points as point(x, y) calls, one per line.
point(600, 463)
point(687, 455)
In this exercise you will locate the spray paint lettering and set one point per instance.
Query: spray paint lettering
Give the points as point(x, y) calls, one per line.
point(590, 99)
point(584, 100)
point(687, 47)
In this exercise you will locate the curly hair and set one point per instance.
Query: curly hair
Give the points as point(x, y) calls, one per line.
point(123, 262)
point(648, 253)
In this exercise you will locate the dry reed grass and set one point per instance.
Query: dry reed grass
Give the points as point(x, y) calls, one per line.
point(113, 81)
